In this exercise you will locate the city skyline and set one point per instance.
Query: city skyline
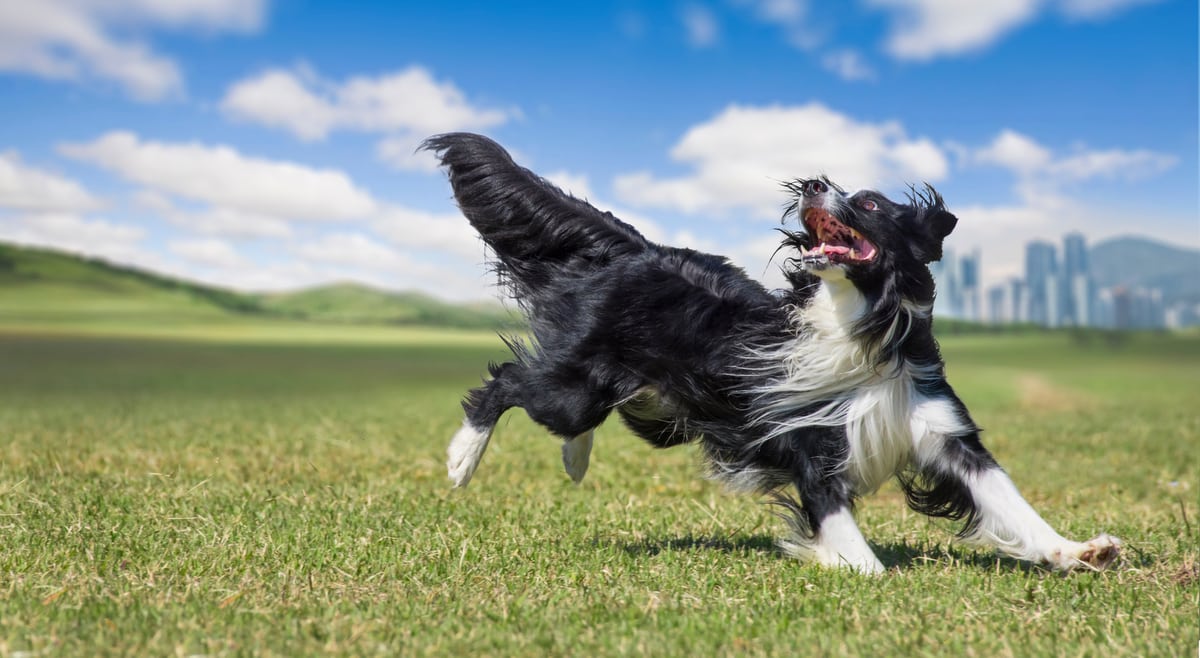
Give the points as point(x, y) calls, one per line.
point(1057, 289)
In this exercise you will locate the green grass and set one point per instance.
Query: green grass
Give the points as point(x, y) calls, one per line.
point(266, 492)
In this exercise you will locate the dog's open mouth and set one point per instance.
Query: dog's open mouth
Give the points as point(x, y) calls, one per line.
point(834, 241)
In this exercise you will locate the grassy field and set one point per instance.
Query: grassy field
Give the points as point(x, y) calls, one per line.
point(281, 491)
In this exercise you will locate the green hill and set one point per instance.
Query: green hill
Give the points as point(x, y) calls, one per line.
point(44, 285)
point(354, 303)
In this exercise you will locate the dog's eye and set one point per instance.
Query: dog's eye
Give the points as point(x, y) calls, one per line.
point(867, 204)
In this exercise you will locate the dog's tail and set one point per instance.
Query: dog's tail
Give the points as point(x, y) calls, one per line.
point(537, 231)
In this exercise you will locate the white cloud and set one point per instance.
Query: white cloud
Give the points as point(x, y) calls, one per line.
point(447, 233)
point(1015, 151)
point(782, 11)
point(1030, 160)
point(217, 195)
point(701, 26)
point(847, 64)
point(86, 39)
point(740, 156)
point(223, 177)
point(407, 106)
point(217, 221)
point(353, 249)
point(72, 232)
point(27, 188)
point(1114, 163)
point(1097, 9)
point(924, 29)
point(359, 257)
point(235, 15)
point(790, 15)
point(401, 152)
point(207, 252)
point(282, 99)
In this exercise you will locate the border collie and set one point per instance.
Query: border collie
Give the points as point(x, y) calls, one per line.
point(831, 387)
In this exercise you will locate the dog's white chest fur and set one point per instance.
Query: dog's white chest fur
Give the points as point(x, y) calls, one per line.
point(879, 431)
point(877, 406)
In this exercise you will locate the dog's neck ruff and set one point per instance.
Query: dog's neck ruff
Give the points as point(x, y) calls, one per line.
point(833, 376)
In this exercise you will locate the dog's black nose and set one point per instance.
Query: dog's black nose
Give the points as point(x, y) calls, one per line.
point(813, 187)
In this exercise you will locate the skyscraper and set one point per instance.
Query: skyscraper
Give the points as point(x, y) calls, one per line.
point(1041, 271)
point(1075, 281)
point(998, 305)
point(968, 287)
point(945, 276)
point(1019, 300)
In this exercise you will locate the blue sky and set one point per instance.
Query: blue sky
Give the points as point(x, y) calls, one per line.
point(268, 145)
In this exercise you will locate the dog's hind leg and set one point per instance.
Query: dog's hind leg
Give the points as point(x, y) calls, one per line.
point(483, 406)
point(576, 454)
point(570, 403)
point(465, 451)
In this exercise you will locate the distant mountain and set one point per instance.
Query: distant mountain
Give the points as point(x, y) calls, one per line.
point(1139, 262)
point(44, 283)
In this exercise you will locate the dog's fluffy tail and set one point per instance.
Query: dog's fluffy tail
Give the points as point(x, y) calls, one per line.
point(537, 231)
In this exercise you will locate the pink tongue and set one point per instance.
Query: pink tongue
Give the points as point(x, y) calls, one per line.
point(836, 249)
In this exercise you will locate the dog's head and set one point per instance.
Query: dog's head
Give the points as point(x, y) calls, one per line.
point(864, 235)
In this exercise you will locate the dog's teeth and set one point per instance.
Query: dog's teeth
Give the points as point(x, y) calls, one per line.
point(854, 253)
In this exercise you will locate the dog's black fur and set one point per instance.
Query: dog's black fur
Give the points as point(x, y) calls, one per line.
point(686, 347)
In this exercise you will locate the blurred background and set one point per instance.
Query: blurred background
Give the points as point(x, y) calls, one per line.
point(259, 156)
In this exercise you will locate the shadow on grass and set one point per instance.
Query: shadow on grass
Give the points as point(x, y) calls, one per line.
point(651, 547)
point(900, 556)
point(904, 557)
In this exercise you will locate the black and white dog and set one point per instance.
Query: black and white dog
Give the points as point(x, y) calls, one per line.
point(832, 387)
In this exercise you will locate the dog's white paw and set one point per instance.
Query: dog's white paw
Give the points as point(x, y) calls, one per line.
point(1096, 554)
point(464, 453)
point(576, 455)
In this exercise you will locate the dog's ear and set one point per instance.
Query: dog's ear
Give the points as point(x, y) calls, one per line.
point(937, 223)
point(933, 222)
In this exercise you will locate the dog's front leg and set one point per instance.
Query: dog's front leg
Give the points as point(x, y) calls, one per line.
point(824, 530)
point(958, 478)
point(1009, 523)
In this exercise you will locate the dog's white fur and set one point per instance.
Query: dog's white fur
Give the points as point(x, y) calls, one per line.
point(465, 451)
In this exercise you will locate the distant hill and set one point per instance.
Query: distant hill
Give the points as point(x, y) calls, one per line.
point(355, 303)
point(40, 284)
point(1139, 262)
